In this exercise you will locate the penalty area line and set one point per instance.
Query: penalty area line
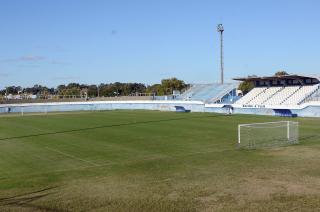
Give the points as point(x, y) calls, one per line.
point(72, 156)
point(94, 165)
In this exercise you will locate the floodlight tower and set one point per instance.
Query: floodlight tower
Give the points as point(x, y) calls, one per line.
point(220, 29)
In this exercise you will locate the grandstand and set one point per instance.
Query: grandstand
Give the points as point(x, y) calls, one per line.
point(211, 93)
point(289, 95)
point(280, 90)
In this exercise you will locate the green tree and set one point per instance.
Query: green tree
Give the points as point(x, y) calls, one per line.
point(72, 89)
point(13, 90)
point(246, 86)
point(92, 91)
point(281, 73)
point(168, 85)
point(155, 89)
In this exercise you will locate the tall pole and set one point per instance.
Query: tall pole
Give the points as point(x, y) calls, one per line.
point(221, 56)
point(220, 29)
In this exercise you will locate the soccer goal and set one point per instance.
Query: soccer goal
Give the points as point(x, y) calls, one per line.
point(268, 134)
point(40, 111)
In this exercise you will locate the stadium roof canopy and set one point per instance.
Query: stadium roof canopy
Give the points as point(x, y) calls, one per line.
point(283, 77)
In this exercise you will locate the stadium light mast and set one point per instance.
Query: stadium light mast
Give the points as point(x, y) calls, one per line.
point(220, 29)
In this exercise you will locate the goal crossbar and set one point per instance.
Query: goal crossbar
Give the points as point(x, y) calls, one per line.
point(263, 123)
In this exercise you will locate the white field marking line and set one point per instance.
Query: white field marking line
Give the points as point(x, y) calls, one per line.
point(72, 156)
point(92, 166)
point(43, 158)
point(117, 163)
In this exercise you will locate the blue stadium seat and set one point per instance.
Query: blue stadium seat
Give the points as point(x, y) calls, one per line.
point(284, 113)
point(181, 109)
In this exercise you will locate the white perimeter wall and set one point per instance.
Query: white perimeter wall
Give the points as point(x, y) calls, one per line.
point(311, 109)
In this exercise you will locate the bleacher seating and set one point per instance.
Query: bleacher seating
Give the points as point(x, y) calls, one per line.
point(265, 95)
point(207, 92)
point(278, 95)
point(315, 97)
point(251, 95)
point(298, 96)
point(281, 96)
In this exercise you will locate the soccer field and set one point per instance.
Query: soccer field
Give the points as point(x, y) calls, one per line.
point(152, 161)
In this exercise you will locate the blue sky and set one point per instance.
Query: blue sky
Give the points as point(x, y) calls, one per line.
point(53, 42)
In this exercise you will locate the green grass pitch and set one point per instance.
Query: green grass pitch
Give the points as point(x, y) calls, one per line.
point(152, 161)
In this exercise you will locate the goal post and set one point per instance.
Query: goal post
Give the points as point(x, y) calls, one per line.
point(25, 111)
point(268, 134)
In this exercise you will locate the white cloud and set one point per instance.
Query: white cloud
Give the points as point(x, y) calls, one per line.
point(58, 62)
point(26, 58)
point(31, 58)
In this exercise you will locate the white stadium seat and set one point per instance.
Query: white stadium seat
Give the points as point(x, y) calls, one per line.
point(289, 95)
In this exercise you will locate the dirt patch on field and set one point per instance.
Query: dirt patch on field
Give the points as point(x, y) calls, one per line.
point(292, 152)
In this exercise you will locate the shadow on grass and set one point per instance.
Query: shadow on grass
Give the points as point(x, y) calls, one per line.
point(308, 137)
point(29, 193)
point(108, 126)
point(25, 200)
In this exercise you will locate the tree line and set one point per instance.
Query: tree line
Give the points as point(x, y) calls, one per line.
point(166, 87)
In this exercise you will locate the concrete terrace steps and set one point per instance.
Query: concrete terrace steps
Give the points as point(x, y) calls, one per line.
point(207, 92)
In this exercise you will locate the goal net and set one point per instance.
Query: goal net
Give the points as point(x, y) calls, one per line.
point(268, 134)
point(25, 111)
